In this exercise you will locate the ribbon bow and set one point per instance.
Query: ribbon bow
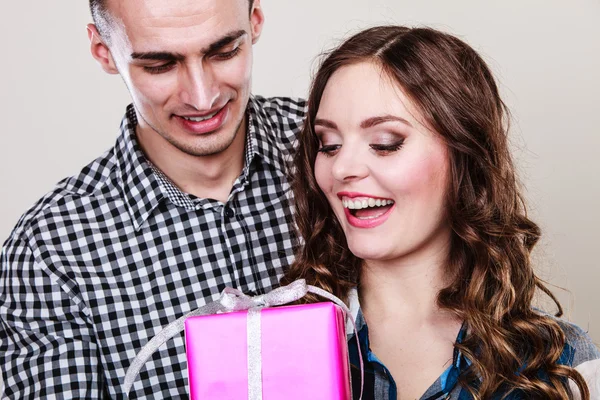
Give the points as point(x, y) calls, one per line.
point(234, 300)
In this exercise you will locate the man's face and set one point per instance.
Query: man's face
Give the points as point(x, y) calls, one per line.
point(187, 64)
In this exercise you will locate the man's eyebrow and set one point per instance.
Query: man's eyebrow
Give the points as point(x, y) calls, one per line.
point(371, 122)
point(157, 56)
point(224, 41)
point(167, 56)
point(325, 123)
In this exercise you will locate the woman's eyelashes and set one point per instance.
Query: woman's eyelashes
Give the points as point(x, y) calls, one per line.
point(330, 149)
point(384, 149)
point(379, 148)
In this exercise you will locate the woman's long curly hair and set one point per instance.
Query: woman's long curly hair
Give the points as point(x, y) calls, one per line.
point(508, 342)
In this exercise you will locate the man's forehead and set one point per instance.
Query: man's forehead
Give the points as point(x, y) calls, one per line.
point(170, 14)
point(173, 8)
point(149, 24)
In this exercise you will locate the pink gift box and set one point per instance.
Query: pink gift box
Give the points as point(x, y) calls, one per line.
point(303, 351)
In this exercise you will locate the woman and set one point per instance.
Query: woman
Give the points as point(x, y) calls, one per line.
point(409, 209)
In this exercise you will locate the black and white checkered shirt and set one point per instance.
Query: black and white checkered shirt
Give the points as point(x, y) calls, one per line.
point(99, 265)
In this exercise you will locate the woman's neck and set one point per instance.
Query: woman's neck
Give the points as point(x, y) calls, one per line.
point(405, 288)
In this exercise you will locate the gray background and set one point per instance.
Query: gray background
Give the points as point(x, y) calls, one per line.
point(59, 110)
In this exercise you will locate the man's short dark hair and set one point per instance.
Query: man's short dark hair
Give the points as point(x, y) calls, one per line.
point(101, 16)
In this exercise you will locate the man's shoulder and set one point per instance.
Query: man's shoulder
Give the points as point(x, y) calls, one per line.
point(66, 199)
point(286, 107)
point(277, 123)
point(284, 116)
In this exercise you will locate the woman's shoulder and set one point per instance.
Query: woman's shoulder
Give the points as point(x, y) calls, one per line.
point(581, 353)
point(579, 347)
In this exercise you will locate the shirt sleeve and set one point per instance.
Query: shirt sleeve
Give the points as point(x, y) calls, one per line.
point(586, 359)
point(590, 370)
point(47, 345)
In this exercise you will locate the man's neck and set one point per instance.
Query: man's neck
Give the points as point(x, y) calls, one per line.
point(210, 177)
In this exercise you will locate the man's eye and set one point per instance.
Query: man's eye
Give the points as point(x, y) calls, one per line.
point(159, 68)
point(227, 55)
point(330, 150)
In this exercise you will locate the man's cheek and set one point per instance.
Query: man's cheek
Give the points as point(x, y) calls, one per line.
point(155, 89)
point(237, 73)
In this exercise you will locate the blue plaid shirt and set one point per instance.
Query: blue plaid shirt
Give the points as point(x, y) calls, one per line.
point(579, 351)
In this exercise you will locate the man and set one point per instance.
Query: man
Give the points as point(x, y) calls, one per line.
point(192, 198)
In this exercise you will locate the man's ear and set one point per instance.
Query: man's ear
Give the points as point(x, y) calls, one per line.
point(257, 19)
point(100, 50)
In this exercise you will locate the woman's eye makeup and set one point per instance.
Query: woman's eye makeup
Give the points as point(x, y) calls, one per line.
point(387, 148)
point(329, 144)
point(382, 144)
point(380, 149)
point(329, 150)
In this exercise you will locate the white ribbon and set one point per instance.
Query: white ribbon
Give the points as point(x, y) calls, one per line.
point(234, 300)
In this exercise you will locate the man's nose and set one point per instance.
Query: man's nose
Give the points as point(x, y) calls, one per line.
point(199, 88)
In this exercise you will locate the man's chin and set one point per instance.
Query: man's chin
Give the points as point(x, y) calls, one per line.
point(211, 144)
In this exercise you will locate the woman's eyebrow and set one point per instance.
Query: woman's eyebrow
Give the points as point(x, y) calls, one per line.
point(325, 123)
point(373, 121)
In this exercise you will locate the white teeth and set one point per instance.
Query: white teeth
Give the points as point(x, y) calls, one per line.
point(366, 203)
point(200, 119)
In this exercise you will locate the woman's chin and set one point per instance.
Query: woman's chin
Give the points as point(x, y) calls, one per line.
point(368, 252)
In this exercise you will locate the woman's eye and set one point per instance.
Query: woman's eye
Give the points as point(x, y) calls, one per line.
point(384, 149)
point(330, 150)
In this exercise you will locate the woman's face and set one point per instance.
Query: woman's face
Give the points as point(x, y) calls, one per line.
point(384, 173)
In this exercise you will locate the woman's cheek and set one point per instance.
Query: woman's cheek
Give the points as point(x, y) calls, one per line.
point(322, 177)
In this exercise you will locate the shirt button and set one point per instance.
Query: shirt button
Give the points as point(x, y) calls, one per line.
point(229, 213)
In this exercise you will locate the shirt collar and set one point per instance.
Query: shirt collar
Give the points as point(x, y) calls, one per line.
point(143, 189)
point(263, 138)
point(443, 385)
point(139, 186)
point(355, 313)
